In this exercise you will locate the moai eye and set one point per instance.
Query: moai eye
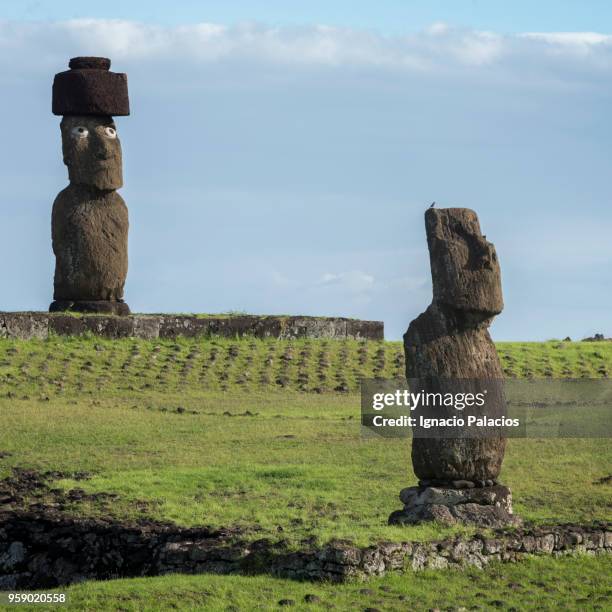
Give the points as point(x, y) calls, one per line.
point(79, 132)
point(110, 132)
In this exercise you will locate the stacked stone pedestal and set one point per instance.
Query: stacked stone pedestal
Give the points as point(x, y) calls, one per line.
point(92, 306)
point(488, 506)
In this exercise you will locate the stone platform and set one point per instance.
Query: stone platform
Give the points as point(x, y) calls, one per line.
point(39, 551)
point(91, 306)
point(26, 325)
point(487, 506)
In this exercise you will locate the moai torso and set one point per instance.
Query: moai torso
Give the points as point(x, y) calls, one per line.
point(90, 234)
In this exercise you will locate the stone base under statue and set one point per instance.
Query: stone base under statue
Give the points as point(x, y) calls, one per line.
point(95, 306)
point(488, 506)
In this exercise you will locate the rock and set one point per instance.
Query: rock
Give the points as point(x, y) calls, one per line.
point(463, 484)
point(409, 493)
point(437, 512)
point(9, 582)
point(485, 507)
point(483, 516)
point(26, 325)
point(596, 338)
point(41, 546)
point(312, 599)
point(89, 88)
point(13, 556)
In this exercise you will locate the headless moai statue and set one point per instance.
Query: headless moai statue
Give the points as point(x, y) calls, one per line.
point(90, 219)
point(448, 349)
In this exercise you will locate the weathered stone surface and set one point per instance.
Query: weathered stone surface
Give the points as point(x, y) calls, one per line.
point(90, 220)
point(174, 326)
point(89, 88)
point(448, 350)
point(485, 507)
point(92, 152)
point(489, 496)
point(25, 325)
point(146, 327)
point(449, 342)
point(41, 549)
point(90, 230)
point(120, 309)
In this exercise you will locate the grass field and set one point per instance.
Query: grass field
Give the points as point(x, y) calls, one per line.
point(265, 434)
point(569, 583)
point(66, 365)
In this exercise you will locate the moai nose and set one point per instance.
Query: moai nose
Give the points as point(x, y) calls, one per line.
point(488, 256)
point(102, 154)
point(103, 149)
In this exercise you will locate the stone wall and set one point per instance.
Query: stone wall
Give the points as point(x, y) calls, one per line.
point(42, 550)
point(26, 325)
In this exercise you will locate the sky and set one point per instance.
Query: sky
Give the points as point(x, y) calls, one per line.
point(384, 16)
point(279, 156)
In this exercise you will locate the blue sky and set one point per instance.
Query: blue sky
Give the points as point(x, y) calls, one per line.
point(280, 161)
point(386, 16)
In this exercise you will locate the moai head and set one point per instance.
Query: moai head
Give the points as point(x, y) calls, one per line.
point(464, 267)
point(92, 151)
point(88, 96)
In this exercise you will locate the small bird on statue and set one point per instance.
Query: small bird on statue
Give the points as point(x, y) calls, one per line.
point(432, 205)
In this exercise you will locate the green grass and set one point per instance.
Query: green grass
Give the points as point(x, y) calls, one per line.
point(278, 469)
point(63, 365)
point(297, 468)
point(556, 359)
point(265, 434)
point(569, 583)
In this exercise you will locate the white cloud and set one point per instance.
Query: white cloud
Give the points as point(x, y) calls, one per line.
point(438, 27)
point(586, 49)
point(438, 47)
point(354, 281)
point(479, 48)
point(569, 38)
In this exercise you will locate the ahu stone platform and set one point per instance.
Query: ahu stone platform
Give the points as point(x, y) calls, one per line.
point(26, 325)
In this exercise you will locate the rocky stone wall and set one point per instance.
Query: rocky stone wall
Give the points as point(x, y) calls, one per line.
point(26, 325)
point(41, 550)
